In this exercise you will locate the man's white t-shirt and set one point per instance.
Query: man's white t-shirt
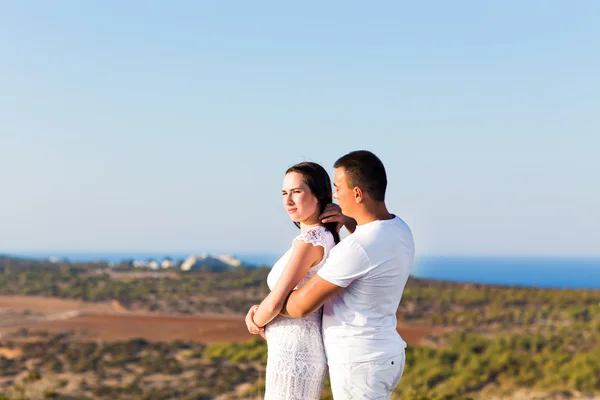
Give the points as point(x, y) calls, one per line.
point(373, 265)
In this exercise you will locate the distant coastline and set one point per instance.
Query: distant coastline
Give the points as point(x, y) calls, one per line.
point(115, 257)
point(545, 272)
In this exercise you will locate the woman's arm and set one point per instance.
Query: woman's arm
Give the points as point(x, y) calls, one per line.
point(304, 256)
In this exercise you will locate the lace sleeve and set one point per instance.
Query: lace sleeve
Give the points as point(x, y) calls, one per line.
point(314, 236)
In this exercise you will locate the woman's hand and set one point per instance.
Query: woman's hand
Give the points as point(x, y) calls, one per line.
point(252, 327)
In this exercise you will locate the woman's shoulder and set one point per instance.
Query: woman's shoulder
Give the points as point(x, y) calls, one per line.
point(316, 235)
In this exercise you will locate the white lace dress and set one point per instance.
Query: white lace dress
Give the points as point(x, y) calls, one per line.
point(296, 363)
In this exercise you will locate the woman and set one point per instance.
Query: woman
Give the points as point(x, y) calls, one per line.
point(296, 363)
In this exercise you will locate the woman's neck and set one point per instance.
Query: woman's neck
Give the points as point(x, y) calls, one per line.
point(304, 225)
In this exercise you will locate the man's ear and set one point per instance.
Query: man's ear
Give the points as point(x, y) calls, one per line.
point(358, 194)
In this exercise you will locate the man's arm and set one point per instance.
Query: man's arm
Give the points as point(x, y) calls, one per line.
point(310, 297)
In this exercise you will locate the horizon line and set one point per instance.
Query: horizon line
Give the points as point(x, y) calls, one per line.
point(270, 253)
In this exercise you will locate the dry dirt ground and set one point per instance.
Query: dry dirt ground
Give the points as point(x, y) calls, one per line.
point(111, 321)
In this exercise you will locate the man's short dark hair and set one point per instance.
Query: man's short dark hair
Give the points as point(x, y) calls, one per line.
point(365, 170)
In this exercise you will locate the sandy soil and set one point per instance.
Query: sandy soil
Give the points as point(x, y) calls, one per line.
point(50, 305)
point(208, 329)
point(110, 321)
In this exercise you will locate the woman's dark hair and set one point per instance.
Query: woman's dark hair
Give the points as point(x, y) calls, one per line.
point(317, 179)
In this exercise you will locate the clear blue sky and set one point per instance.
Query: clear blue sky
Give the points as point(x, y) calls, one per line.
point(147, 126)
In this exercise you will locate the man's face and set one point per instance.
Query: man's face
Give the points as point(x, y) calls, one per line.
point(342, 192)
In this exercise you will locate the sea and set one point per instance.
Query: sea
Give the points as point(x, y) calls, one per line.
point(543, 272)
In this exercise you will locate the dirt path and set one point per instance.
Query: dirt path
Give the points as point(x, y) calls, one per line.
point(112, 327)
point(111, 321)
point(50, 305)
point(208, 329)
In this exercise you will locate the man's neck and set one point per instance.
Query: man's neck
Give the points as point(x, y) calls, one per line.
point(374, 212)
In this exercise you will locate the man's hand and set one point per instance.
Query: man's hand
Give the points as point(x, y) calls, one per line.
point(252, 327)
point(333, 213)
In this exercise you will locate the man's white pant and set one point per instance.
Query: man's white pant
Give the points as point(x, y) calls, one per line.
point(372, 380)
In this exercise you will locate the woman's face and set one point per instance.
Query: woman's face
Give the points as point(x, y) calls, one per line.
point(299, 202)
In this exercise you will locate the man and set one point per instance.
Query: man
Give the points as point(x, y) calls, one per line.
point(360, 285)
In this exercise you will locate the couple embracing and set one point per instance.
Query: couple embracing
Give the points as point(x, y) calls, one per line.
point(332, 305)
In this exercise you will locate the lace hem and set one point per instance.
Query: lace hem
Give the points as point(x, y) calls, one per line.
point(296, 361)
